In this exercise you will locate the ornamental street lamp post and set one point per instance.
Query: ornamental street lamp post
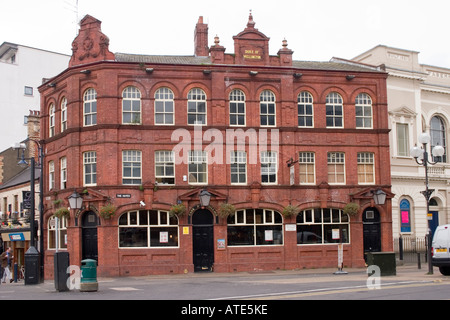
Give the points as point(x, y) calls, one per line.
point(422, 155)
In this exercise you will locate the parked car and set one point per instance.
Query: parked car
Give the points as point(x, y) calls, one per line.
point(440, 249)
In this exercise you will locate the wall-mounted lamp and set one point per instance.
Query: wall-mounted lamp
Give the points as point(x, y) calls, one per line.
point(205, 198)
point(298, 75)
point(253, 73)
point(52, 85)
point(149, 70)
point(86, 72)
point(350, 77)
point(379, 197)
point(206, 72)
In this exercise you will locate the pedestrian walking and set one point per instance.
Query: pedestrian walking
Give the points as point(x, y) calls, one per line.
point(5, 261)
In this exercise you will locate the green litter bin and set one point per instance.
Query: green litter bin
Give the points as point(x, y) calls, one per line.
point(88, 281)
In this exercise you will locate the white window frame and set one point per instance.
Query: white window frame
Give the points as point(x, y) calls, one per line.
point(200, 160)
point(62, 230)
point(238, 166)
point(335, 159)
point(165, 160)
point(366, 160)
point(90, 160)
point(164, 96)
point(132, 96)
point(196, 98)
point(237, 100)
point(63, 114)
point(305, 100)
point(364, 102)
point(51, 120)
point(63, 172)
point(267, 99)
point(51, 175)
point(90, 107)
point(334, 100)
point(132, 160)
point(269, 166)
point(308, 161)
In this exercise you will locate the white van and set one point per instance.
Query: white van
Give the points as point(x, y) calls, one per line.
point(440, 249)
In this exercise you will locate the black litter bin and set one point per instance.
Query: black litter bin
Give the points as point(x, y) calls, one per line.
point(32, 272)
point(61, 263)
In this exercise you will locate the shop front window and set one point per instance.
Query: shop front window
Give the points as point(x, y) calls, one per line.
point(255, 227)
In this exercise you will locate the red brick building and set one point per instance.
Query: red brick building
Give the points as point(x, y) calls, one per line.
point(136, 135)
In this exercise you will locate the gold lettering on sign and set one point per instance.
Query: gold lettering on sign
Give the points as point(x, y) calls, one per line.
point(252, 54)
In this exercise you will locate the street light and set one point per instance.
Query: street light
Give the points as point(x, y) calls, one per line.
point(379, 197)
point(422, 154)
point(205, 198)
point(75, 201)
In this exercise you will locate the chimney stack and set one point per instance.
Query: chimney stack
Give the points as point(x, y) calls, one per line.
point(201, 39)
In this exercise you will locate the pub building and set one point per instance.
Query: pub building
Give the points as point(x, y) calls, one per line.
point(214, 161)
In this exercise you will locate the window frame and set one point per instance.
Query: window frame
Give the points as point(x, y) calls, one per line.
point(335, 159)
point(168, 162)
point(364, 102)
point(196, 98)
point(132, 95)
point(255, 223)
point(51, 120)
point(90, 107)
point(131, 160)
point(305, 100)
point(63, 173)
point(334, 102)
point(237, 100)
point(238, 164)
point(63, 114)
point(267, 99)
point(312, 222)
point(193, 159)
point(308, 160)
point(51, 175)
point(165, 96)
point(90, 161)
point(143, 220)
point(366, 160)
point(51, 233)
point(438, 134)
point(268, 167)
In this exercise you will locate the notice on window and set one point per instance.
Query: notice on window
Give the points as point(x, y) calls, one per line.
point(164, 237)
point(268, 235)
point(335, 234)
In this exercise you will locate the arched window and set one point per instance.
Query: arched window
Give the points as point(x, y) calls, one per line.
point(57, 240)
point(164, 107)
point(363, 109)
point(131, 106)
point(197, 107)
point(63, 114)
point(437, 132)
point(334, 110)
point(51, 120)
point(405, 216)
point(322, 226)
point(267, 109)
point(255, 227)
point(305, 109)
point(147, 229)
point(90, 108)
point(237, 108)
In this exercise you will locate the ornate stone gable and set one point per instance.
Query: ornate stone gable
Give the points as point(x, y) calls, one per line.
point(91, 45)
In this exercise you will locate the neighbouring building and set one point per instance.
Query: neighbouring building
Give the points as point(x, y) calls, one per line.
point(280, 148)
point(418, 101)
point(22, 70)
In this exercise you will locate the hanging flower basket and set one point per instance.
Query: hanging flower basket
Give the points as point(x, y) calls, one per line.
point(178, 210)
point(108, 211)
point(61, 213)
point(226, 209)
point(290, 211)
point(351, 209)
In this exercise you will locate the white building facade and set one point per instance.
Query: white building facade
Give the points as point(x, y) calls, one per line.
point(22, 69)
point(418, 101)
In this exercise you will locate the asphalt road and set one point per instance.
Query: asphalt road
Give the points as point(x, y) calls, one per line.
point(256, 292)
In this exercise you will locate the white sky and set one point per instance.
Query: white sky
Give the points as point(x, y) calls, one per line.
point(315, 30)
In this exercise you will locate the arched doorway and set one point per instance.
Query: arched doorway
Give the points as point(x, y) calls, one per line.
point(89, 223)
point(434, 211)
point(203, 240)
point(371, 230)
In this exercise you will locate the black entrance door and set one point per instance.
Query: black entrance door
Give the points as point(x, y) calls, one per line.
point(371, 230)
point(203, 240)
point(89, 236)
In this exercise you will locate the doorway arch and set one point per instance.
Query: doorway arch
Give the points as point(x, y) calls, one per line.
point(203, 240)
point(89, 236)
